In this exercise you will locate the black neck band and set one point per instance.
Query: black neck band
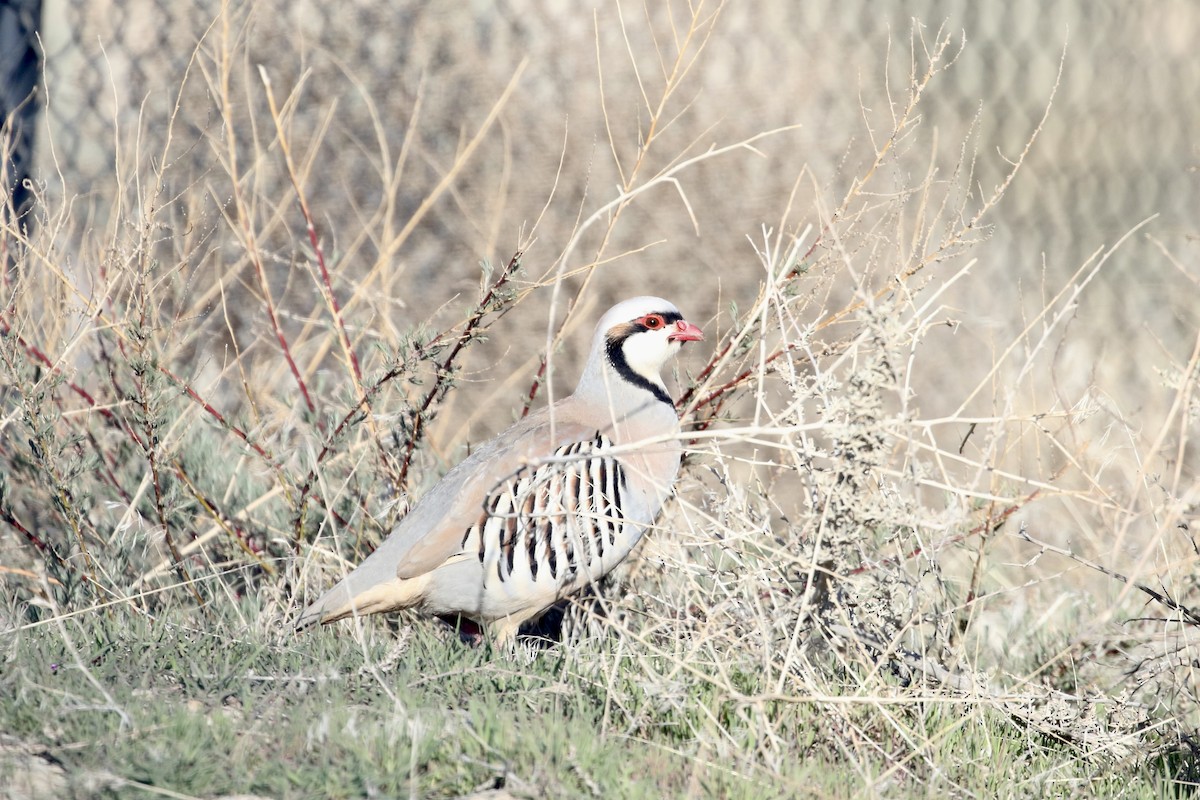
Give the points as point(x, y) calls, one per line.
point(616, 356)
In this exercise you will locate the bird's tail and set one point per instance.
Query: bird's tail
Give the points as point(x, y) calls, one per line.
point(353, 595)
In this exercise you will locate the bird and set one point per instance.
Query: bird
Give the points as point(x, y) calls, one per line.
point(545, 508)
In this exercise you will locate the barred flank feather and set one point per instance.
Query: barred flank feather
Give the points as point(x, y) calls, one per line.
point(557, 518)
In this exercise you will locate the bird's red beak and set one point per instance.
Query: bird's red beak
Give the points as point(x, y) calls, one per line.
point(686, 332)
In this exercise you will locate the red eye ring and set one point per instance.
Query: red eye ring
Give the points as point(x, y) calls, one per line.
point(653, 322)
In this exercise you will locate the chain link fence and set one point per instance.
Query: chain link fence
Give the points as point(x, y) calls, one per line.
point(373, 80)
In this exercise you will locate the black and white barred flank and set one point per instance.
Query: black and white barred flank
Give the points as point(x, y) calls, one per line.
point(557, 520)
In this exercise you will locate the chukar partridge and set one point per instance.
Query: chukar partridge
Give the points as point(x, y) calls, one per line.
point(548, 506)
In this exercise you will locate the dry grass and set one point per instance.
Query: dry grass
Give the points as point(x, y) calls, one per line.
point(904, 548)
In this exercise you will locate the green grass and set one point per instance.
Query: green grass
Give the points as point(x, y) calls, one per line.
point(201, 704)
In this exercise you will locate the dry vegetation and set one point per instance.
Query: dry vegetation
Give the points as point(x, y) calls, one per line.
point(923, 552)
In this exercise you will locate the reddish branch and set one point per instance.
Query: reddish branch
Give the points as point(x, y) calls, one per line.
point(704, 374)
point(41, 544)
point(441, 382)
point(533, 387)
point(283, 343)
point(220, 418)
point(275, 466)
point(351, 415)
point(335, 310)
point(32, 537)
point(224, 520)
point(318, 252)
point(441, 385)
point(334, 306)
point(39, 356)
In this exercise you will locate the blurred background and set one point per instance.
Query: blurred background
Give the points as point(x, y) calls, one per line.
point(373, 79)
point(153, 105)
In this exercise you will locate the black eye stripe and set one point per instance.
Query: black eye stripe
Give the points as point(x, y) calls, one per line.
point(668, 318)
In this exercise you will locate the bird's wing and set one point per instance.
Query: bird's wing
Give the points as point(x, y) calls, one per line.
point(442, 518)
point(433, 531)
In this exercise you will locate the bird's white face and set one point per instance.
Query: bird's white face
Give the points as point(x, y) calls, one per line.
point(639, 336)
point(648, 341)
point(632, 343)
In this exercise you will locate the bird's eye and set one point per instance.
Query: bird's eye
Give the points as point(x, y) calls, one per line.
point(653, 321)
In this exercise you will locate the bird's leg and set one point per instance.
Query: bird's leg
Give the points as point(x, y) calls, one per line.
point(504, 632)
point(469, 631)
